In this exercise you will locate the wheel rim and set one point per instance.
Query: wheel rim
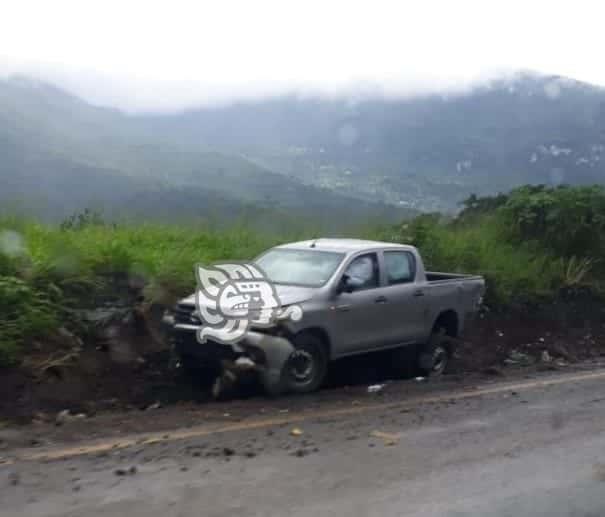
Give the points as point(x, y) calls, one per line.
point(439, 360)
point(301, 366)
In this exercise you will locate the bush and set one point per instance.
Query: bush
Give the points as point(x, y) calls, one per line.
point(24, 314)
point(569, 221)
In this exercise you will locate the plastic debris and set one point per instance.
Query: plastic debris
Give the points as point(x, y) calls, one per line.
point(545, 357)
point(375, 388)
point(420, 379)
point(296, 432)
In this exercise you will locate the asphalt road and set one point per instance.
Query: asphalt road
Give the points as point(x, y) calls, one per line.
point(514, 447)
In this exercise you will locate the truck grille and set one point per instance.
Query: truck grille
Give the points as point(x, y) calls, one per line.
point(186, 314)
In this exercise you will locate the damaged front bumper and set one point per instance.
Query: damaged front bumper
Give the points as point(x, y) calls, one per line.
point(264, 352)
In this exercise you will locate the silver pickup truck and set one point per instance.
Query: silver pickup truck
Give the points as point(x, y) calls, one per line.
point(356, 297)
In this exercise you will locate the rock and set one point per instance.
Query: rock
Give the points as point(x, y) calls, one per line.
point(63, 417)
point(518, 358)
point(599, 471)
point(228, 451)
point(300, 453)
point(14, 478)
point(69, 338)
point(545, 357)
point(493, 370)
point(388, 438)
point(155, 405)
point(561, 350)
point(123, 472)
point(249, 454)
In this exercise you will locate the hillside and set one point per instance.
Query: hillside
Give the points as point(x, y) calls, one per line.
point(425, 152)
point(336, 160)
point(60, 155)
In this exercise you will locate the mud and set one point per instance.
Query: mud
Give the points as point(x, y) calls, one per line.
point(95, 383)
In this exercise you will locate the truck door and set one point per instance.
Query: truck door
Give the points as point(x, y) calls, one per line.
point(407, 300)
point(359, 319)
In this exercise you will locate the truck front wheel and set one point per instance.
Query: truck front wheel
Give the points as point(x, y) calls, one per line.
point(306, 368)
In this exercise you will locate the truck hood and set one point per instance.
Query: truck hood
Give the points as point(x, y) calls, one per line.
point(288, 295)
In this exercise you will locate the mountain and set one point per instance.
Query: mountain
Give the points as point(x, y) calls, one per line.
point(60, 154)
point(423, 152)
point(338, 160)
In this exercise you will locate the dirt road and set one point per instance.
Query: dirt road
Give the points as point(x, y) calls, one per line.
point(527, 444)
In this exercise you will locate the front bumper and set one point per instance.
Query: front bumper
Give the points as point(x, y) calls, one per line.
point(269, 353)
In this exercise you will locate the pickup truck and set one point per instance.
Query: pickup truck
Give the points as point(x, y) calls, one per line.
point(356, 297)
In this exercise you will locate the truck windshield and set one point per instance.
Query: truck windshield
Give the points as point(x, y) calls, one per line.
point(309, 268)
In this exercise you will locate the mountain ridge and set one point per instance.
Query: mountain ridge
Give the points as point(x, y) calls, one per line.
point(303, 154)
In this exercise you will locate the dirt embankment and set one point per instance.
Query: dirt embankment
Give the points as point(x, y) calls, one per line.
point(126, 362)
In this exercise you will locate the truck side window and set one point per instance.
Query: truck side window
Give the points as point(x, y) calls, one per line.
point(399, 267)
point(363, 271)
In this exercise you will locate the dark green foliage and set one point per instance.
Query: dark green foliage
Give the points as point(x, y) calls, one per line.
point(25, 312)
point(568, 221)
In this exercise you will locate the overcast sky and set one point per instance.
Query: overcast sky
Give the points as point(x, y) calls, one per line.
point(169, 54)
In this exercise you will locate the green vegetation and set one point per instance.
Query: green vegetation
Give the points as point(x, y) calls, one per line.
point(530, 245)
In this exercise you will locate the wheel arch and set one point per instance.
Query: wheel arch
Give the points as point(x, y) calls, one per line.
point(449, 321)
point(320, 334)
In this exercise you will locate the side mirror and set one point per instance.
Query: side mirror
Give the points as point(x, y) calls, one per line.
point(348, 284)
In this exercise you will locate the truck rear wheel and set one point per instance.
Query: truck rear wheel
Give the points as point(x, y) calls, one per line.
point(434, 356)
point(306, 368)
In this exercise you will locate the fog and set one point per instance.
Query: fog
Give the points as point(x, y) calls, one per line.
point(158, 56)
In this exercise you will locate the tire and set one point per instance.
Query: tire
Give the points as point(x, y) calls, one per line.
point(434, 356)
point(306, 369)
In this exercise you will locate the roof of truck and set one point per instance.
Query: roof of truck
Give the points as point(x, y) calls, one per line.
point(342, 245)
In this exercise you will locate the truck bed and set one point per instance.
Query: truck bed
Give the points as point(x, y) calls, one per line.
point(434, 276)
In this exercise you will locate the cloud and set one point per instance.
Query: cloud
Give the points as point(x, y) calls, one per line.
point(145, 55)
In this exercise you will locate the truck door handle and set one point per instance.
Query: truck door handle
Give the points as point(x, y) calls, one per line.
point(381, 299)
point(418, 292)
